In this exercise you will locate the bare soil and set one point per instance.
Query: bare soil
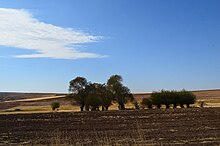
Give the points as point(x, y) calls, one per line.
point(192, 126)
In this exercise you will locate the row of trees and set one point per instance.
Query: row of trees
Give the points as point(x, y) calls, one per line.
point(168, 98)
point(92, 96)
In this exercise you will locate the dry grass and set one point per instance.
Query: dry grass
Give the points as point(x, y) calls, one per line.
point(211, 98)
point(64, 138)
point(38, 109)
point(35, 99)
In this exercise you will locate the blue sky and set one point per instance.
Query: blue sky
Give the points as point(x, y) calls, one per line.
point(153, 44)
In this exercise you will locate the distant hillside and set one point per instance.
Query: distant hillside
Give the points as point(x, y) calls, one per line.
point(201, 94)
point(7, 96)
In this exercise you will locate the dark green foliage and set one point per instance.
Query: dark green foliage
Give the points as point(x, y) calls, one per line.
point(77, 99)
point(107, 98)
point(94, 102)
point(146, 102)
point(93, 95)
point(55, 105)
point(121, 93)
point(166, 98)
point(156, 99)
point(77, 88)
point(78, 84)
point(173, 97)
point(17, 109)
point(187, 98)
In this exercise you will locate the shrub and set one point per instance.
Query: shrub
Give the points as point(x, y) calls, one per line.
point(173, 97)
point(55, 105)
point(146, 102)
point(17, 109)
point(94, 102)
point(186, 98)
point(166, 97)
point(156, 99)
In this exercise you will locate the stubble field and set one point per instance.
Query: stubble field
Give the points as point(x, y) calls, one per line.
point(192, 126)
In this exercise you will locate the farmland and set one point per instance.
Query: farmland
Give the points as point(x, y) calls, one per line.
point(191, 126)
point(40, 102)
point(27, 119)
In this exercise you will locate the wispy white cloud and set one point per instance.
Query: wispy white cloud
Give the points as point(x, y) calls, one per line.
point(18, 28)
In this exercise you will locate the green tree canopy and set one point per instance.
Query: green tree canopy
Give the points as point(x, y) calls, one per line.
point(146, 102)
point(120, 92)
point(77, 87)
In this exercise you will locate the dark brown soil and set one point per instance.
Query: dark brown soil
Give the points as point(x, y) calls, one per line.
point(193, 126)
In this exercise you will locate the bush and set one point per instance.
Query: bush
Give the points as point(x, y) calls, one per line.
point(55, 105)
point(166, 97)
point(156, 99)
point(186, 98)
point(17, 109)
point(94, 102)
point(146, 102)
point(173, 97)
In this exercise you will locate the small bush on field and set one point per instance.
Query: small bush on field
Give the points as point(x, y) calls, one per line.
point(17, 109)
point(55, 105)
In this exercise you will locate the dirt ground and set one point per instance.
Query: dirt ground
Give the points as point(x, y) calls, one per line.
point(192, 126)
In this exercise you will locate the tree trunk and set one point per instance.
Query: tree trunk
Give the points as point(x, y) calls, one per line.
point(187, 105)
point(103, 108)
point(202, 104)
point(167, 106)
point(106, 108)
point(81, 108)
point(158, 106)
point(93, 109)
point(174, 105)
point(137, 106)
point(121, 106)
point(181, 105)
point(149, 106)
point(87, 108)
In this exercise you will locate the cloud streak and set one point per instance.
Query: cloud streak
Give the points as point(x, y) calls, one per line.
point(19, 29)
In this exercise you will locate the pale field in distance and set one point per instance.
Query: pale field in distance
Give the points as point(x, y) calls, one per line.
point(30, 103)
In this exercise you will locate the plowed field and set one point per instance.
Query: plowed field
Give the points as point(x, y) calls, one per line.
point(193, 126)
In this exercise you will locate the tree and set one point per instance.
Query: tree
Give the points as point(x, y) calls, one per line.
point(156, 99)
point(166, 98)
point(135, 102)
point(187, 98)
point(175, 98)
point(55, 105)
point(146, 102)
point(107, 97)
point(94, 95)
point(181, 99)
point(77, 88)
point(120, 92)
